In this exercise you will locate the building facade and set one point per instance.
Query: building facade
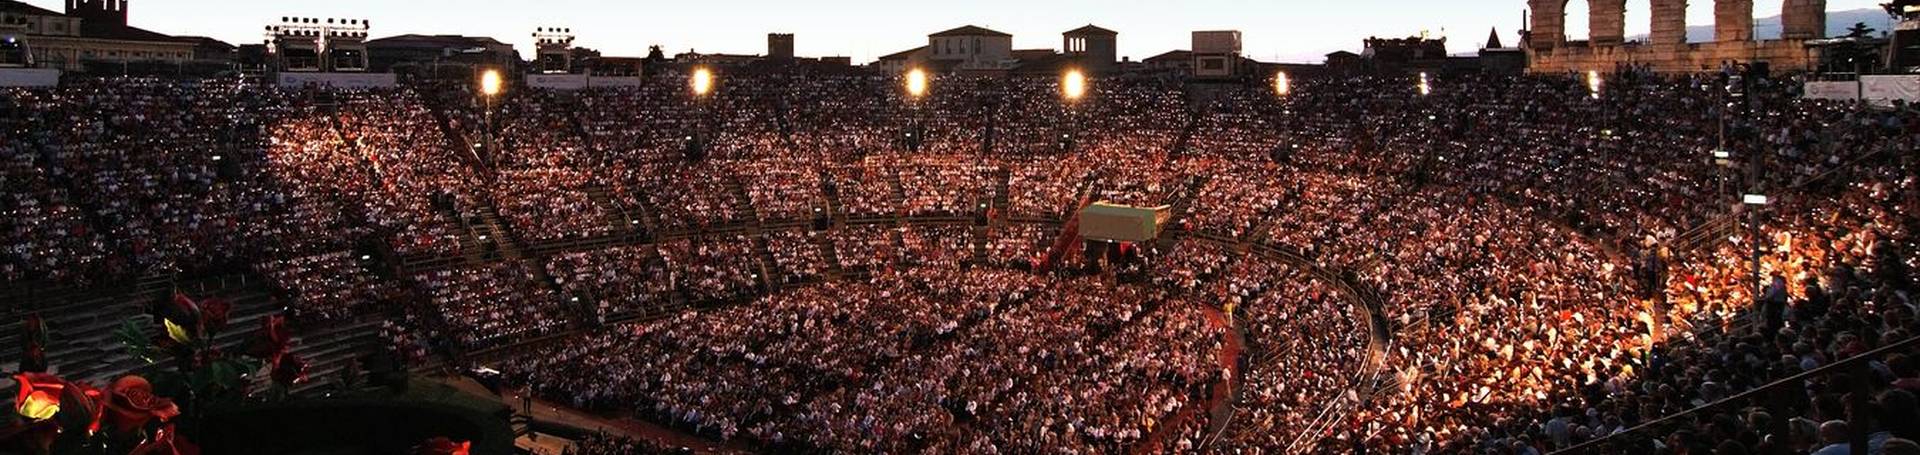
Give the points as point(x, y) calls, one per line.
point(780, 46)
point(1666, 49)
point(1092, 47)
point(973, 49)
point(90, 31)
point(1216, 54)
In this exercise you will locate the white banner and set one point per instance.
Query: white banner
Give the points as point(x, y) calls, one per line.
point(1884, 90)
point(557, 81)
point(578, 81)
point(339, 80)
point(1832, 90)
point(602, 82)
point(29, 77)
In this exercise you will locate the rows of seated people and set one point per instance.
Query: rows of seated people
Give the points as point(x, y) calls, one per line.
point(929, 357)
point(1521, 210)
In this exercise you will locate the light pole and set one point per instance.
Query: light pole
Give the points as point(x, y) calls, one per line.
point(490, 85)
point(1594, 83)
point(1740, 84)
point(1073, 86)
point(702, 85)
point(916, 81)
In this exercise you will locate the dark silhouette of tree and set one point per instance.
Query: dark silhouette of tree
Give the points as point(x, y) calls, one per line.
point(1860, 30)
point(582, 53)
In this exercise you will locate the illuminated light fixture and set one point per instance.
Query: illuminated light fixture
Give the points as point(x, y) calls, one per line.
point(1281, 84)
point(1593, 83)
point(702, 81)
point(490, 82)
point(1754, 199)
point(1073, 85)
point(1425, 88)
point(917, 82)
point(1722, 154)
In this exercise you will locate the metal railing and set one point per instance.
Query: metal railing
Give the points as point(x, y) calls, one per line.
point(1774, 396)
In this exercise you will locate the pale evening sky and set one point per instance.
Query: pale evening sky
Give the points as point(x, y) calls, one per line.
point(1274, 30)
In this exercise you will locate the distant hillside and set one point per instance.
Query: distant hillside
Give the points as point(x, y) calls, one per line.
point(1769, 28)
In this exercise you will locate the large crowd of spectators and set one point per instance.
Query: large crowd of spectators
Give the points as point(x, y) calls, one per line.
point(1531, 247)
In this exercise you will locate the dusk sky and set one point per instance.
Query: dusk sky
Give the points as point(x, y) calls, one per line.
point(1274, 30)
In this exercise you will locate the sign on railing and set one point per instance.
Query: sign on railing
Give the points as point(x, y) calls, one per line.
point(339, 80)
point(1880, 90)
point(29, 77)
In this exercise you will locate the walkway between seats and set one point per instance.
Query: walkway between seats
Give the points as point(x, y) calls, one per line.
point(621, 426)
point(1219, 403)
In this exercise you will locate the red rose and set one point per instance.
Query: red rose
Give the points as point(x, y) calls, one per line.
point(213, 315)
point(443, 446)
point(133, 404)
point(39, 395)
point(180, 317)
point(85, 405)
point(288, 370)
point(272, 340)
point(166, 441)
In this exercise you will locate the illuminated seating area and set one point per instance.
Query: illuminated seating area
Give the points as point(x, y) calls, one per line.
point(1352, 263)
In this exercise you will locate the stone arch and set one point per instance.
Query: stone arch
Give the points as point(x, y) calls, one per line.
point(1803, 19)
point(1548, 19)
point(1604, 21)
point(1579, 24)
point(1669, 22)
point(1607, 22)
point(1732, 20)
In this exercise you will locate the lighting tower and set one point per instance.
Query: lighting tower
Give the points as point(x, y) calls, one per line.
point(315, 44)
point(554, 46)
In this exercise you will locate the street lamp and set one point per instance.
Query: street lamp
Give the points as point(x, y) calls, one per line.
point(1754, 203)
point(1425, 87)
point(1073, 85)
point(1593, 83)
point(490, 86)
point(490, 83)
point(917, 83)
point(1281, 84)
point(702, 85)
point(702, 81)
point(916, 89)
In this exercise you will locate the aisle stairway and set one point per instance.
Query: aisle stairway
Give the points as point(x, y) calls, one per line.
point(83, 328)
point(618, 219)
point(1002, 191)
point(744, 211)
point(496, 233)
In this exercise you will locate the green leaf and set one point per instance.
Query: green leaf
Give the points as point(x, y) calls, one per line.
point(178, 333)
point(137, 342)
